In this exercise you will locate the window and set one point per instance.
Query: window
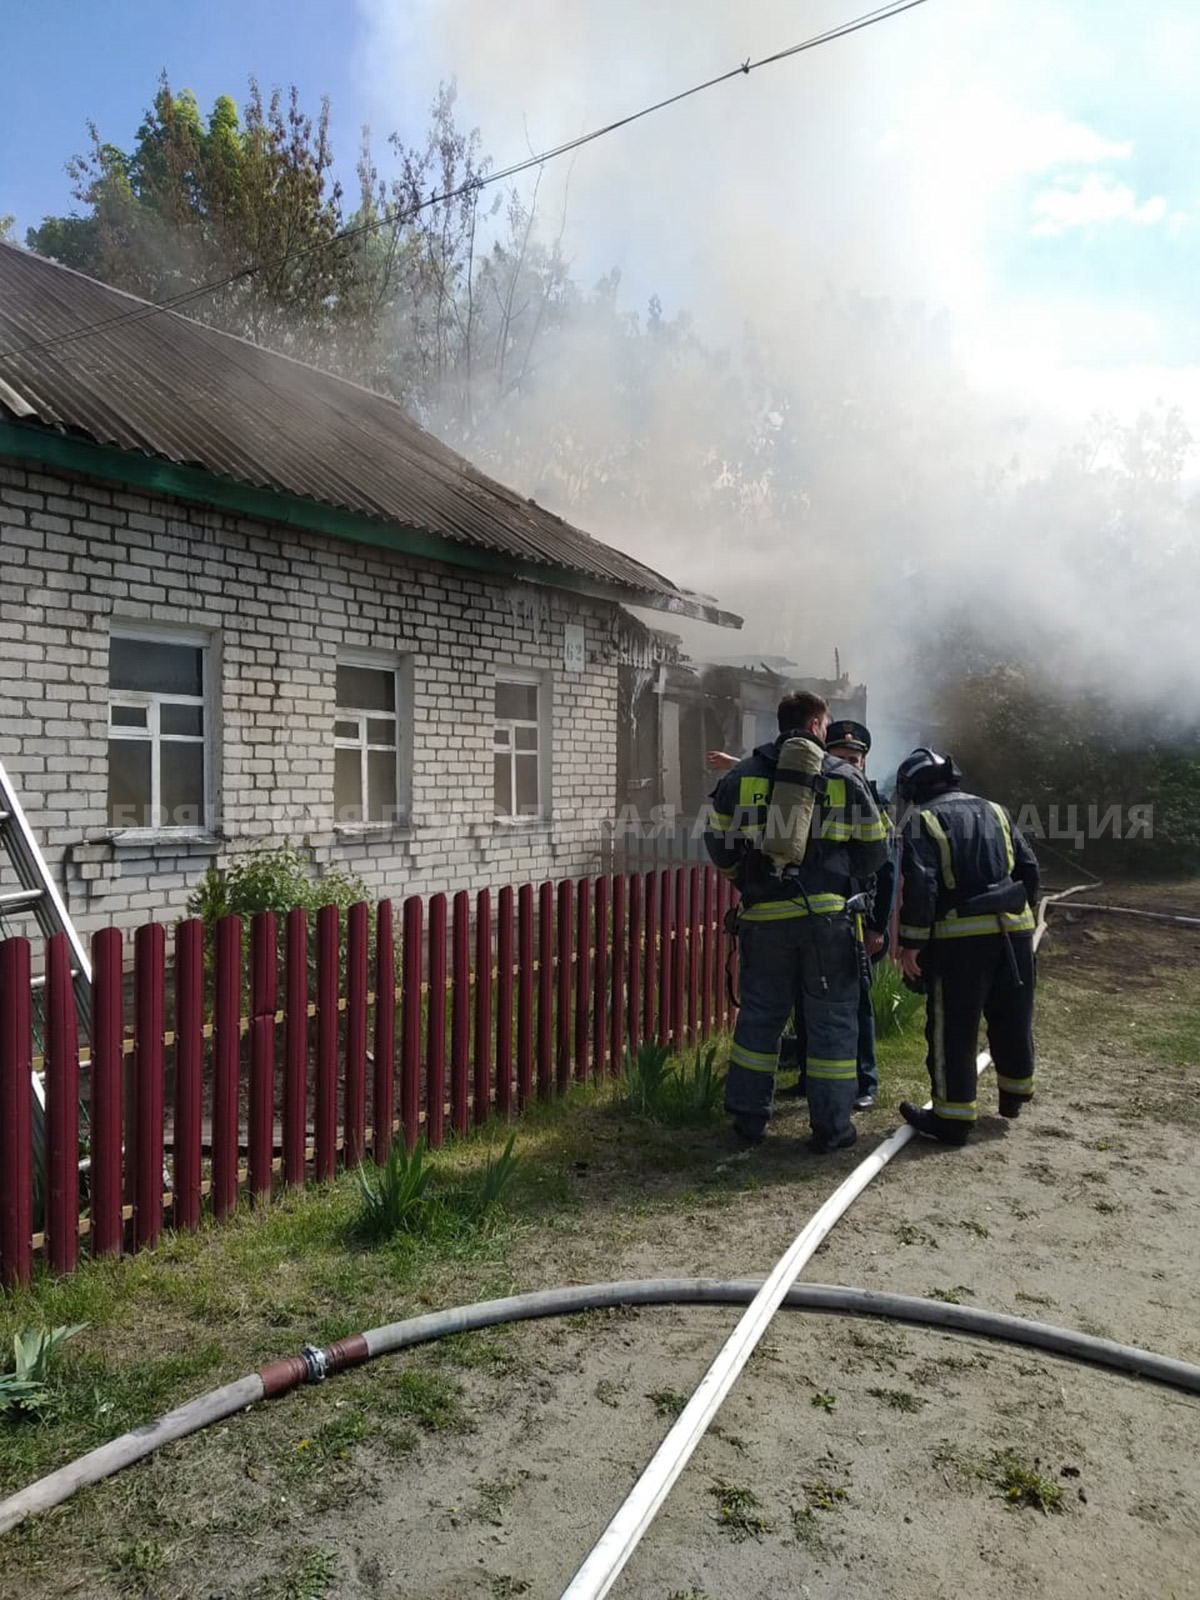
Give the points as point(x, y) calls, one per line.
point(520, 749)
point(366, 737)
point(158, 733)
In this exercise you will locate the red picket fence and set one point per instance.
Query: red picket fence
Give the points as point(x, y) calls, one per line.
point(464, 1010)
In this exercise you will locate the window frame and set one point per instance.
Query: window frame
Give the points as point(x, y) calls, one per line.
point(525, 677)
point(399, 666)
point(152, 702)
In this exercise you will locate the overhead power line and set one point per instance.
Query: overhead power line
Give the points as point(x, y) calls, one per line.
point(390, 219)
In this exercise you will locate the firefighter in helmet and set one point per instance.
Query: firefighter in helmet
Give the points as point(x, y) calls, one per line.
point(797, 937)
point(969, 886)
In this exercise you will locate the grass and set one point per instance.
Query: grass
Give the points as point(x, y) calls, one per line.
point(951, 1297)
point(827, 1402)
point(739, 1512)
point(898, 1399)
point(897, 1009)
point(1022, 1484)
point(659, 1087)
point(1019, 1481)
point(668, 1403)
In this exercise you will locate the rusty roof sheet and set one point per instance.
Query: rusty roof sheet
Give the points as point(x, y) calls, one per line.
point(164, 386)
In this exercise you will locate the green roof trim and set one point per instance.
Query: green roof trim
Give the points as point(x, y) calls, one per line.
point(34, 443)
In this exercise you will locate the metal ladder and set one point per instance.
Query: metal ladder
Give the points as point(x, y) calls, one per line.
point(38, 897)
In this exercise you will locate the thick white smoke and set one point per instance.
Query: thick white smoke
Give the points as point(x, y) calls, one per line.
point(901, 434)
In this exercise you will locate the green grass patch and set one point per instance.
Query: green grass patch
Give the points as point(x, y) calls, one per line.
point(898, 1399)
point(739, 1512)
point(660, 1087)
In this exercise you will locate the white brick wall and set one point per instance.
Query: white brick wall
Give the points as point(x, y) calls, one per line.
point(75, 557)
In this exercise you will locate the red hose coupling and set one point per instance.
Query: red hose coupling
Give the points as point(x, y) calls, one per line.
point(280, 1376)
point(346, 1353)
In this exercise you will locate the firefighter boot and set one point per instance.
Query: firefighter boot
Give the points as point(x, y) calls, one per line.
point(943, 1129)
point(1010, 1104)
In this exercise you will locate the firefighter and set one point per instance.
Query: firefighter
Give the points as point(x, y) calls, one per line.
point(969, 886)
point(796, 937)
point(851, 741)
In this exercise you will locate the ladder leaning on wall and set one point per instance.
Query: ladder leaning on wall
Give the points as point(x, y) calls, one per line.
point(37, 897)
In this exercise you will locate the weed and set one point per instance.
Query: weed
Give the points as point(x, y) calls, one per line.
point(1105, 1207)
point(909, 1233)
point(1023, 1485)
point(977, 1228)
point(952, 1297)
point(400, 1201)
point(659, 1091)
point(26, 1389)
point(497, 1180)
point(494, 1497)
point(898, 1399)
point(896, 1007)
point(687, 1594)
point(823, 1496)
point(505, 1587)
point(827, 1402)
point(309, 1575)
point(738, 1511)
point(140, 1559)
point(667, 1402)
point(609, 1392)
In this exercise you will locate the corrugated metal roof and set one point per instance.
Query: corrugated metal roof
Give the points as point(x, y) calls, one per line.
point(164, 386)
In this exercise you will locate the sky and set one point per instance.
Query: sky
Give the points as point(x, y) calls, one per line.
point(1023, 165)
point(1022, 170)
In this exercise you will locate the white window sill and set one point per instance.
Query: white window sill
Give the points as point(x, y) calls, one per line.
point(352, 832)
point(163, 839)
point(539, 821)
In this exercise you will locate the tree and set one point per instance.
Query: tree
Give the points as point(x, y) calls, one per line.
point(6, 228)
point(200, 201)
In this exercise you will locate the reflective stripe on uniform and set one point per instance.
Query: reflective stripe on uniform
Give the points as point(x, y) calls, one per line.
point(873, 832)
point(953, 927)
point(909, 932)
point(782, 910)
point(1006, 830)
point(752, 1060)
point(938, 834)
point(720, 820)
point(937, 1066)
point(824, 1067)
point(1015, 1085)
point(957, 1110)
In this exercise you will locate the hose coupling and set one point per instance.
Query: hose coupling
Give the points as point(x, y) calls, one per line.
point(316, 1367)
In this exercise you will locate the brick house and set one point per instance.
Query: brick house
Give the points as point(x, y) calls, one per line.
point(243, 601)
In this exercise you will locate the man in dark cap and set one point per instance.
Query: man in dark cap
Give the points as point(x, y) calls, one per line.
point(970, 883)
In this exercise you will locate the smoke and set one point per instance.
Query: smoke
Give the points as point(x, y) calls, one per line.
point(900, 277)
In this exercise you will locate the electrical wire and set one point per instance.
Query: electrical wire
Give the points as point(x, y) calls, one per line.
point(392, 218)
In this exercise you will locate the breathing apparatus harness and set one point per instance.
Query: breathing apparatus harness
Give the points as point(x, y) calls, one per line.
point(798, 785)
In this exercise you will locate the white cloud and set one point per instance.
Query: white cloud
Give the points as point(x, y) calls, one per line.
point(1099, 199)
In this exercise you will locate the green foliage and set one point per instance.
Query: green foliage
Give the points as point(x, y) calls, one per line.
point(403, 1198)
point(26, 1389)
point(1022, 1484)
point(497, 1180)
point(658, 1088)
point(399, 1201)
point(897, 1009)
point(278, 879)
point(739, 1511)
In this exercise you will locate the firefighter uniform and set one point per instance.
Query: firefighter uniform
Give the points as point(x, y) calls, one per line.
point(970, 882)
point(850, 735)
point(797, 941)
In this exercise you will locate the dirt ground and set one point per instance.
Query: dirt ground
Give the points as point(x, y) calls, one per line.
point(853, 1458)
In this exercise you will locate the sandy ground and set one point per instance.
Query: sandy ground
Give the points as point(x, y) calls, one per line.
point(1083, 1213)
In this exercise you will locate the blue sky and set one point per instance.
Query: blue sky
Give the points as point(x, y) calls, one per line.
point(1027, 165)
